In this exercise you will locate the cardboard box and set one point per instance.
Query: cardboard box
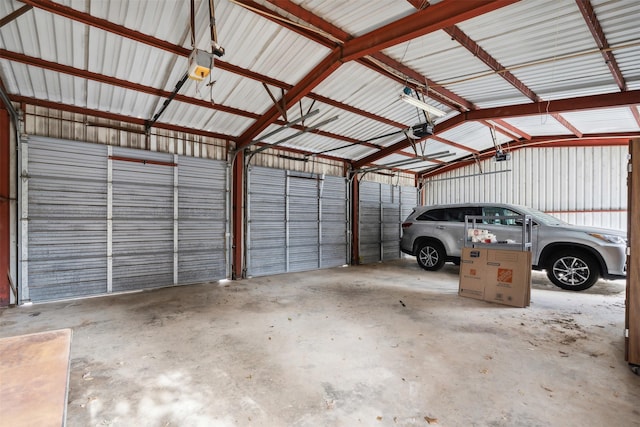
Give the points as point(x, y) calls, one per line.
point(494, 275)
point(473, 263)
point(508, 277)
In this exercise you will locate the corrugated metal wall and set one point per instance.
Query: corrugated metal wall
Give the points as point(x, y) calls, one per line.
point(296, 221)
point(47, 122)
point(383, 207)
point(97, 219)
point(581, 185)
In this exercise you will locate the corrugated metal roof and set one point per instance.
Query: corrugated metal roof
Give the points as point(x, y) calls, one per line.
point(545, 44)
point(358, 17)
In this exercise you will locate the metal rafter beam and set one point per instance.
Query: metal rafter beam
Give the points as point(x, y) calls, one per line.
point(636, 113)
point(458, 35)
point(442, 95)
point(320, 72)
point(453, 144)
point(448, 12)
point(598, 34)
point(115, 117)
point(508, 126)
point(436, 17)
point(564, 122)
point(120, 30)
point(500, 130)
point(15, 14)
point(101, 78)
point(606, 100)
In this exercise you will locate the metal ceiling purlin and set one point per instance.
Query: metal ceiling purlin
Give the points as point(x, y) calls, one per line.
point(15, 14)
point(598, 34)
point(114, 116)
point(564, 122)
point(500, 130)
point(628, 98)
point(65, 69)
point(512, 128)
point(179, 50)
point(453, 144)
point(436, 17)
point(446, 13)
point(442, 95)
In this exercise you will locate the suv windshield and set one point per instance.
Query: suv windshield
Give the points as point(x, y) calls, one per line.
point(545, 218)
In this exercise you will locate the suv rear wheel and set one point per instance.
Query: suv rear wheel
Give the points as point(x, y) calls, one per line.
point(430, 255)
point(573, 271)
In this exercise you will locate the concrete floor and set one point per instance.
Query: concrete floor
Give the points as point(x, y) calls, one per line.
point(381, 345)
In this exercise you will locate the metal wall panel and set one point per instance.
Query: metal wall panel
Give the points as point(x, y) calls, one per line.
point(202, 224)
point(581, 185)
point(297, 221)
point(383, 207)
point(66, 207)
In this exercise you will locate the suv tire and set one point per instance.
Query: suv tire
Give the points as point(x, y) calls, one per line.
point(430, 255)
point(572, 270)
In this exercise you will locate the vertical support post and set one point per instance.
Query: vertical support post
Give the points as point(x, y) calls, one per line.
point(23, 295)
point(320, 188)
point(381, 219)
point(5, 206)
point(632, 316)
point(176, 217)
point(287, 219)
point(355, 220)
point(109, 219)
point(237, 196)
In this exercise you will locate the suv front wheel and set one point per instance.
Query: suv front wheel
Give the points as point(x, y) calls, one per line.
point(573, 271)
point(430, 255)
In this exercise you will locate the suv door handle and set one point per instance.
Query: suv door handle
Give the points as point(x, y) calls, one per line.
point(440, 227)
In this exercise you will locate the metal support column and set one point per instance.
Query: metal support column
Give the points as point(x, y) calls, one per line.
point(355, 223)
point(237, 196)
point(5, 206)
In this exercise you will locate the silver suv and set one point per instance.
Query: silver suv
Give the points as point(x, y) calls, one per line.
point(573, 256)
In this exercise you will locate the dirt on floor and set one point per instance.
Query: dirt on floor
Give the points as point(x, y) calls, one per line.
point(379, 345)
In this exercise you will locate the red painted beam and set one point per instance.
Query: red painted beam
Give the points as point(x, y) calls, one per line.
point(5, 207)
point(14, 15)
point(508, 126)
point(606, 100)
point(636, 114)
point(436, 17)
point(453, 144)
point(237, 207)
point(320, 72)
point(442, 95)
point(103, 24)
point(458, 35)
point(114, 116)
point(564, 122)
point(598, 35)
point(101, 78)
point(499, 130)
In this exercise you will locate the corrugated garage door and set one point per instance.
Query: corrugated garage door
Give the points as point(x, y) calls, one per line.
point(382, 209)
point(102, 219)
point(63, 220)
point(296, 221)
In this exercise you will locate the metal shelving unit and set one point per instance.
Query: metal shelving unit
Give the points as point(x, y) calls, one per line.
point(472, 222)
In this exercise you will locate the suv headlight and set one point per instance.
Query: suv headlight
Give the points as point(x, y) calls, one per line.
point(608, 238)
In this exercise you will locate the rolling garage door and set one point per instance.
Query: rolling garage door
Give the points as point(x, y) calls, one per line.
point(382, 209)
point(296, 221)
point(99, 219)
